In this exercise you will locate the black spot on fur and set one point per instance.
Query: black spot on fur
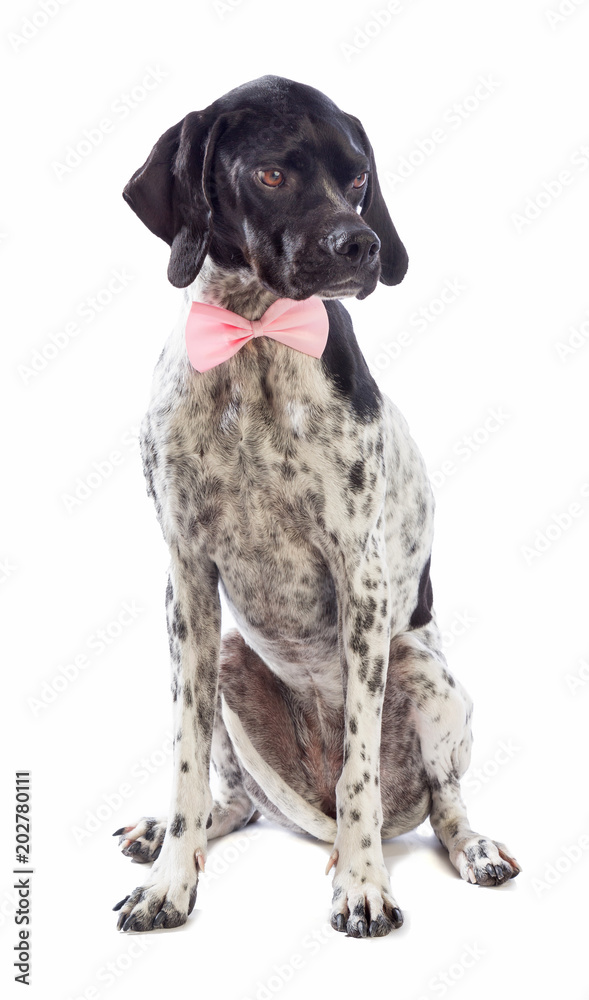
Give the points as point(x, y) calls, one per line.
point(364, 621)
point(178, 827)
point(375, 681)
point(358, 645)
point(425, 599)
point(204, 718)
point(356, 476)
point(287, 470)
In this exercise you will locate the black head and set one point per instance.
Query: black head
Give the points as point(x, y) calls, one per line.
point(274, 178)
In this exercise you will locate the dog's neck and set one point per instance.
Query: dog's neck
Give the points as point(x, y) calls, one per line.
point(238, 290)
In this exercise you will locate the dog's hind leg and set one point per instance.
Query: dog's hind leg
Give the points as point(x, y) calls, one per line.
point(279, 756)
point(441, 715)
point(233, 809)
point(142, 841)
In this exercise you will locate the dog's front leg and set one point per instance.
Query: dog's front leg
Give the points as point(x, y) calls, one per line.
point(363, 905)
point(194, 624)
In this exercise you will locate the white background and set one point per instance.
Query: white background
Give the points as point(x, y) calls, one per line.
point(68, 571)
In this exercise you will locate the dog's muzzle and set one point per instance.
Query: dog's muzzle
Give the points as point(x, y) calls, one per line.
point(356, 247)
point(351, 261)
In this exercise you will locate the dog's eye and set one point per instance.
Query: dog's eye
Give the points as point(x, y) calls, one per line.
point(360, 180)
point(272, 178)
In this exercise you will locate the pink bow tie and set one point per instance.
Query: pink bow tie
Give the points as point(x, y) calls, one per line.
point(214, 334)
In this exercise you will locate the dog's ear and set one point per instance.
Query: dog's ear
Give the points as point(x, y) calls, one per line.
point(169, 193)
point(393, 255)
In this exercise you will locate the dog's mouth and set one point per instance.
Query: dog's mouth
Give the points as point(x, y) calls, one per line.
point(340, 290)
point(350, 286)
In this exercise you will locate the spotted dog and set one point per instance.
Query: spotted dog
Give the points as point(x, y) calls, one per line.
point(292, 483)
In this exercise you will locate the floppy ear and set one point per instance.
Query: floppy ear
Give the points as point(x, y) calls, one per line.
point(393, 255)
point(169, 193)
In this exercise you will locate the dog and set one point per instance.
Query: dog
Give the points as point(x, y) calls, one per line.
point(286, 479)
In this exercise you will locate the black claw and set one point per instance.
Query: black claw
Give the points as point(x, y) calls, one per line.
point(500, 874)
point(381, 926)
point(490, 870)
point(397, 917)
point(157, 853)
point(362, 928)
point(129, 923)
point(118, 833)
point(133, 848)
point(121, 921)
point(122, 903)
point(340, 921)
point(160, 919)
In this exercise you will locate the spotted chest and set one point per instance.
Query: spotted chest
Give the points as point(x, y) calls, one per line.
point(253, 462)
point(264, 467)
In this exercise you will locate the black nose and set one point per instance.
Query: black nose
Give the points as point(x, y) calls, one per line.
point(357, 246)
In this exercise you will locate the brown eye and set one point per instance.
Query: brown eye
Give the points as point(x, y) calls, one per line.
point(272, 178)
point(360, 180)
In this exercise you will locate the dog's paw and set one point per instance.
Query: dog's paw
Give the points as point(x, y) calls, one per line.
point(484, 862)
point(165, 900)
point(362, 904)
point(142, 841)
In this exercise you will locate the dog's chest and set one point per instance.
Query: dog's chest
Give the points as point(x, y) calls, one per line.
point(254, 464)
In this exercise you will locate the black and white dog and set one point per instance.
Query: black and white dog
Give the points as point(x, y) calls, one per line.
point(291, 482)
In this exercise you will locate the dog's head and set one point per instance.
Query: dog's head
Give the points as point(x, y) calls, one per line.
point(272, 177)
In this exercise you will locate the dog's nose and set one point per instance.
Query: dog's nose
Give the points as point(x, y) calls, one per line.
point(357, 246)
